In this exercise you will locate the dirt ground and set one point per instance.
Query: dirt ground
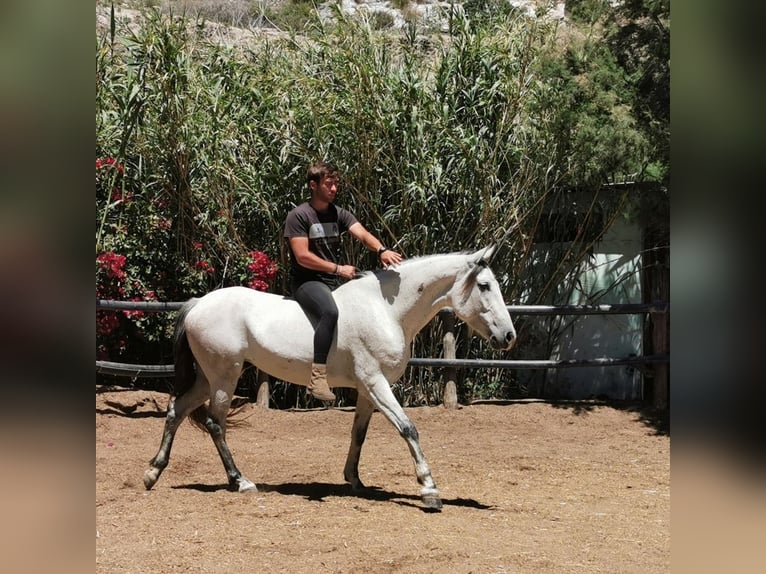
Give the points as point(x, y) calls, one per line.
point(527, 487)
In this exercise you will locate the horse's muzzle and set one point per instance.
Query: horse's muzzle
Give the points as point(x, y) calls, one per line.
point(504, 344)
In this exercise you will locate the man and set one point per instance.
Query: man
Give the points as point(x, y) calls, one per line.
point(313, 231)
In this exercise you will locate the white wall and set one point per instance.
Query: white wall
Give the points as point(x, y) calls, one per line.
point(612, 277)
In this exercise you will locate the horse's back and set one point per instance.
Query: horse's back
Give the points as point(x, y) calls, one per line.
point(228, 303)
point(244, 324)
point(231, 313)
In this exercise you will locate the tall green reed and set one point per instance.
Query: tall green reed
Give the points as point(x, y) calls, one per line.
point(446, 142)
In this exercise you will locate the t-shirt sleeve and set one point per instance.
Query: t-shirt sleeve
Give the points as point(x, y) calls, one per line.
point(295, 226)
point(345, 219)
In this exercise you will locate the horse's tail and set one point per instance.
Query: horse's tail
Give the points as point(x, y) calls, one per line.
point(183, 359)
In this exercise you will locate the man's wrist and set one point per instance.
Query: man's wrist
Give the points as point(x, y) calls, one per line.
point(381, 250)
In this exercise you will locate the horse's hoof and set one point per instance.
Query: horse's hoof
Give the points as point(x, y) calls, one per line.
point(150, 477)
point(431, 500)
point(246, 486)
point(357, 486)
point(433, 503)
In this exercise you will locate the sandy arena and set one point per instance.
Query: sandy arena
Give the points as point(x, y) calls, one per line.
point(527, 487)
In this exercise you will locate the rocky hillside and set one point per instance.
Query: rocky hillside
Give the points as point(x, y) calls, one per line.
point(235, 22)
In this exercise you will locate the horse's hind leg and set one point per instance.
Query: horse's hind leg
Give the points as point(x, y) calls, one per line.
point(215, 424)
point(383, 398)
point(178, 409)
point(362, 416)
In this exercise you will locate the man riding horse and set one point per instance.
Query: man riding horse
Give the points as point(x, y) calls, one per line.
point(313, 231)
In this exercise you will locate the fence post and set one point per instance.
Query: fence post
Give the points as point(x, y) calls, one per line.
point(450, 373)
point(262, 398)
point(661, 345)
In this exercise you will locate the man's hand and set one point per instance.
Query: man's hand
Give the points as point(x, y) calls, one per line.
point(346, 271)
point(388, 258)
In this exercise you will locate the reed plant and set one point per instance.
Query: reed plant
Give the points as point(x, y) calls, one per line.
point(446, 142)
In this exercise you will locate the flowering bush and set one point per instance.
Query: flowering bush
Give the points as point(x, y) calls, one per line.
point(144, 254)
point(110, 162)
point(262, 270)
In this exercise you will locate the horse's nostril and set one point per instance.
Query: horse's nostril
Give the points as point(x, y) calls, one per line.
point(509, 336)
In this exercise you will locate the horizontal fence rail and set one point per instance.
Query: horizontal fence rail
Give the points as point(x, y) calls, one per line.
point(136, 371)
point(148, 371)
point(540, 364)
point(620, 309)
point(154, 306)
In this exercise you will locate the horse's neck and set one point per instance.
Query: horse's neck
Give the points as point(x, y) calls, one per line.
point(425, 290)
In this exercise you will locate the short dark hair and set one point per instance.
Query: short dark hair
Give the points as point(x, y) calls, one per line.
point(320, 169)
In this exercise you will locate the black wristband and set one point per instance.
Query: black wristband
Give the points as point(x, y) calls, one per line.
point(381, 250)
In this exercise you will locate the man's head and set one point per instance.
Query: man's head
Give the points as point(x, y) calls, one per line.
point(319, 170)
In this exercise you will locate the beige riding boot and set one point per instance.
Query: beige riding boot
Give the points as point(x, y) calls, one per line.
point(318, 384)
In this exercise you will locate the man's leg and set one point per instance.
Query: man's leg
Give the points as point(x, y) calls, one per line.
point(316, 299)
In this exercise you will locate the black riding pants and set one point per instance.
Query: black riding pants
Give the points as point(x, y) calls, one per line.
point(316, 299)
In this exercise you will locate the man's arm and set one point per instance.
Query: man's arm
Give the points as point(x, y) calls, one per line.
point(387, 257)
point(307, 259)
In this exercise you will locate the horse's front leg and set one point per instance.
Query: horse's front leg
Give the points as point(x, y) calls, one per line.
point(362, 416)
point(383, 398)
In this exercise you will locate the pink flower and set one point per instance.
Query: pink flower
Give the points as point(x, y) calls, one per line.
point(134, 314)
point(261, 266)
point(110, 162)
point(113, 264)
point(258, 285)
point(117, 195)
point(106, 322)
point(204, 266)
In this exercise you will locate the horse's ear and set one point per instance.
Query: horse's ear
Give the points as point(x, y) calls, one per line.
point(490, 252)
point(484, 256)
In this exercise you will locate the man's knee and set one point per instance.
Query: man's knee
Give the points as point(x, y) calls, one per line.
point(330, 314)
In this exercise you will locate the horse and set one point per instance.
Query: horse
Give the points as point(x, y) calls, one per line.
point(380, 313)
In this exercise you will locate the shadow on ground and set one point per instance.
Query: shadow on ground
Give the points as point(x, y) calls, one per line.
point(319, 491)
point(656, 419)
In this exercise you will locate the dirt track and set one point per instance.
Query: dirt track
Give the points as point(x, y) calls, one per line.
point(527, 488)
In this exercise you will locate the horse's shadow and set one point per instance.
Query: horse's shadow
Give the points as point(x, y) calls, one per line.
point(131, 413)
point(319, 491)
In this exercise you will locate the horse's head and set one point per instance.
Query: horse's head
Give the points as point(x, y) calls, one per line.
point(477, 300)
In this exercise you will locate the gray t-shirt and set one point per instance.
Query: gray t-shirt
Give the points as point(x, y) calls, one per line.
point(323, 230)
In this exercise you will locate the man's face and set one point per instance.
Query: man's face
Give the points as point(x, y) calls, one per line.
point(327, 188)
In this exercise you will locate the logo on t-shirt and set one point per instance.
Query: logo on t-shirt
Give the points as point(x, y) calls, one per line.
point(324, 230)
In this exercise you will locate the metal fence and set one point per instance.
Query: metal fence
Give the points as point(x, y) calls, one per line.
point(657, 361)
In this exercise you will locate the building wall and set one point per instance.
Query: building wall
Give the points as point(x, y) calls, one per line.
point(612, 277)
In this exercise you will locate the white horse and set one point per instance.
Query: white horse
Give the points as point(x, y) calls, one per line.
point(379, 315)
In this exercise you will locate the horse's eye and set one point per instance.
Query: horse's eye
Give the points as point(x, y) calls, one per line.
point(483, 286)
